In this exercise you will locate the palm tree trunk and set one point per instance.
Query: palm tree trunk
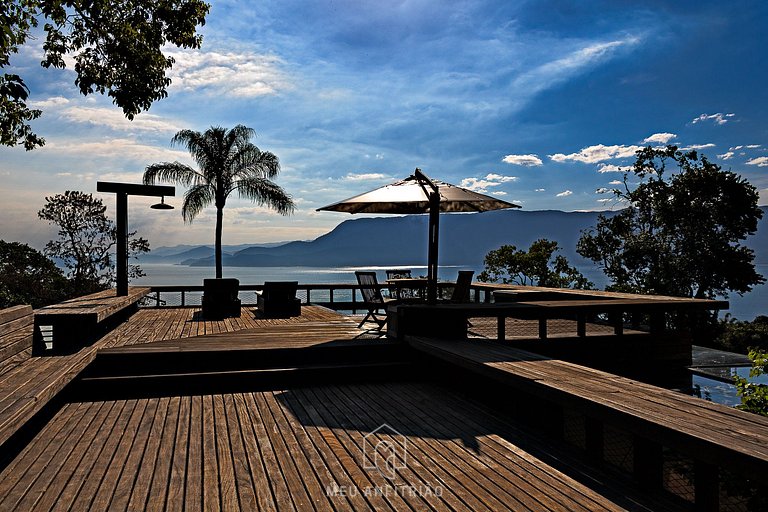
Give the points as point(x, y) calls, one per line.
point(217, 253)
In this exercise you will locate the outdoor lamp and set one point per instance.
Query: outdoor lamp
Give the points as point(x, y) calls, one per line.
point(161, 205)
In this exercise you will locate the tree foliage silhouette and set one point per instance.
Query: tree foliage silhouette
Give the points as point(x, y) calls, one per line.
point(538, 266)
point(117, 47)
point(227, 162)
point(682, 230)
point(85, 241)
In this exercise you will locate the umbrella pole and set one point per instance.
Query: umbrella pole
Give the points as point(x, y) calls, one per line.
point(434, 227)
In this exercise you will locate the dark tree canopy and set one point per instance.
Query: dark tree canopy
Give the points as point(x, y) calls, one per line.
point(28, 277)
point(117, 47)
point(86, 241)
point(228, 161)
point(681, 233)
point(534, 267)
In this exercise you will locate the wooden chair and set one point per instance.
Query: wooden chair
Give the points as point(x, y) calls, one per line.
point(278, 299)
point(461, 290)
point(374, 301)
point(399, 292)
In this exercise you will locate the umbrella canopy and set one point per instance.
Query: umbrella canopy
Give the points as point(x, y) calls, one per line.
point(411, 195)
point(420, 194)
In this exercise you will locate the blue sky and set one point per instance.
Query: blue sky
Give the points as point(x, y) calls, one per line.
point(538, 102)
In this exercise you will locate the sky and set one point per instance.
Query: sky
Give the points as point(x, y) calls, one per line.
point(540, 103)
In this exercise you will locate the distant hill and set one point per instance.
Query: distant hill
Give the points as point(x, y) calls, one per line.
point(185, 254)
point(464, 240)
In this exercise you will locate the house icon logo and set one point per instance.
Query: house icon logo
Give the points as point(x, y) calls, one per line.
point(385, 450)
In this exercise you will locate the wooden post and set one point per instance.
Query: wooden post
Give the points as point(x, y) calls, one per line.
point(501, 328)
point(581, 325)
point(121, 258)
point(543, 327)
point(594, 439)
point(648, 463)
point(707, 487)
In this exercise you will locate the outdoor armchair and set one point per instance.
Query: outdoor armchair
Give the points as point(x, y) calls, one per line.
point(278, 299)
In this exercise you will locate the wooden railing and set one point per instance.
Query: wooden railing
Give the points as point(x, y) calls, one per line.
point(338, 296)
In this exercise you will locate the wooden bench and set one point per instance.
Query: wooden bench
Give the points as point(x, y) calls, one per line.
point(712, 435)
point(70, 325)
point(15, 335)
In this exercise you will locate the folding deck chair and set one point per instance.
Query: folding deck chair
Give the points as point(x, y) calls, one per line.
point(374, 301)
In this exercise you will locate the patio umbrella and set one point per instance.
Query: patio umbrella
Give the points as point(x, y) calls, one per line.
point(420, 194)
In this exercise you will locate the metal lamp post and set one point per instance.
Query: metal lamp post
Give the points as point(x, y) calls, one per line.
point(123, 190)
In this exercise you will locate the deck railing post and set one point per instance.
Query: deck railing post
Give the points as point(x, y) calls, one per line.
point(706, 487)
point(594, 443)
point(501, 328)
point(617, 320)
point(648, 463)
point(183, 298)
point(581, 325)
point(543, 327)
point(157, 298)
point(658, 322)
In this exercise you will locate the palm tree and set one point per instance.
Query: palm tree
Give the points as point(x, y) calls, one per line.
point(228, 161)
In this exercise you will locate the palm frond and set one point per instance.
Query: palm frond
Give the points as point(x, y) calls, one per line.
point(199, 146)
point(171, 171)
point(252, 162)
point(266, 193)
point(195, 200)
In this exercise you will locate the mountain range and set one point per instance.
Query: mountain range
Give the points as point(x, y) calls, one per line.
point(464, 240)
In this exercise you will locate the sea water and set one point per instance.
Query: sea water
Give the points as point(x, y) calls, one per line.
point(742, 307)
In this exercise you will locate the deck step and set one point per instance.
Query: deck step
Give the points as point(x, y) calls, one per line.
point(102, 387)
point(154, 363)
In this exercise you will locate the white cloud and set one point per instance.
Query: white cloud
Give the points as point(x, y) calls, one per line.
point(557, 71)
point(526, 160)
point(661, 138)
point(117, 148)
point(540, 190)
point(696, 147)
point(761, 161)
point(55, 101)
point(726, 156)
point(366, 176)
point(564, 193)
point(245, 74)
point(597, 153)
point(481, 184)
point(612, 168)
point(500, 178)
point(115, 120)
point(498, 193)
point(603, 190)
point(605, 200)
point(753, 146)
point(615, 182)
point(718, 118)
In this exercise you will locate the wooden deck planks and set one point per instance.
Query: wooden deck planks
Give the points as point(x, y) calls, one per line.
point(286, 450)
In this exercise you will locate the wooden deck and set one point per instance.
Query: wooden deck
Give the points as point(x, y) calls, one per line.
point(29, 384)
point(297, 449)
point(306, 446)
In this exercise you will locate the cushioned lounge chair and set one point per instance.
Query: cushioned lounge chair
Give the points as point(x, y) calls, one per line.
point(278, 299)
